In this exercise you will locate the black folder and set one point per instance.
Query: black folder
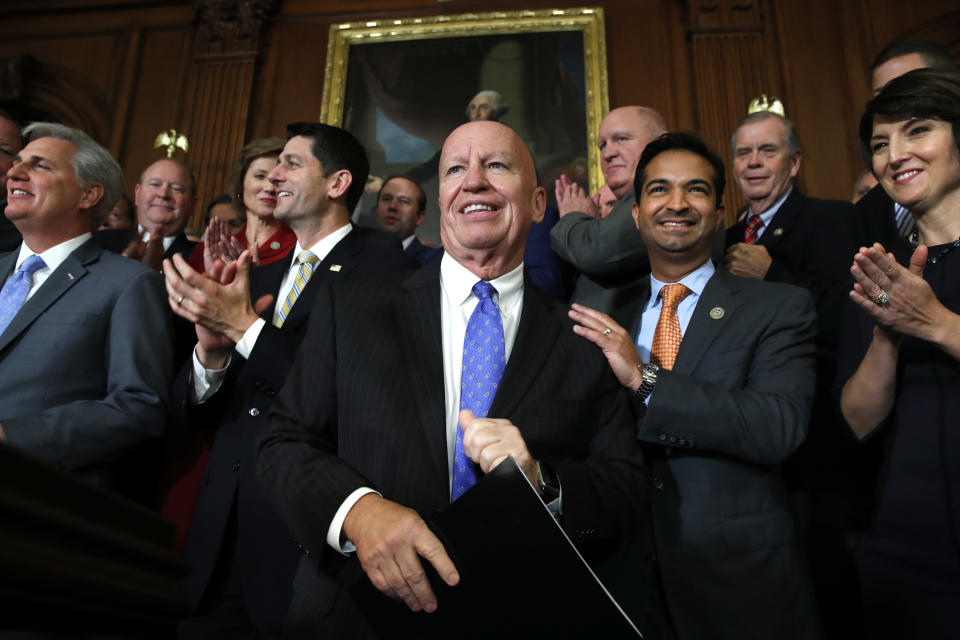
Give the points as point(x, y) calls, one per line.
point(517, 565)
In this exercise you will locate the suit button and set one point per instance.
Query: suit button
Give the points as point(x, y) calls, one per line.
point(254, 412)
point(658, 483)
point(682, 442)
point(662, 436)
point(236, 465)
point(673, 439)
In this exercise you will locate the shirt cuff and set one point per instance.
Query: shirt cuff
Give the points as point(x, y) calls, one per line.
point(206, 382)
point(249, 339)
point(333, 533)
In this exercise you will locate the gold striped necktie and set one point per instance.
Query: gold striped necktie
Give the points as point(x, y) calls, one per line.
point(306, 262)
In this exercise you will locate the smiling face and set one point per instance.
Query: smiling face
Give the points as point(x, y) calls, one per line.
point(917, 162)
point(301, 186)
point(259, 194)
point(164, 197)
point(677, 213)
point(44, 200)
point(623, 135)
point(488, 198)
point(762, 162)
point(398, 208)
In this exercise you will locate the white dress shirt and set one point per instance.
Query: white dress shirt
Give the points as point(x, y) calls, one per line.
point(52, 257)
point(207, 381)
point(457, 303)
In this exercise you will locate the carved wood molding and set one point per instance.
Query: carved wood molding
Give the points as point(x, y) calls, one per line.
point(230, 26)
point(724, 15)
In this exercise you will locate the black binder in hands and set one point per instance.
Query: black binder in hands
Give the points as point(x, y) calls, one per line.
point(518, 567)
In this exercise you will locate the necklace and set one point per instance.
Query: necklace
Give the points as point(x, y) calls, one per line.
point(915, 242)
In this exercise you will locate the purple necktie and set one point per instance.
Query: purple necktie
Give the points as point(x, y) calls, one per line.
point(15, 290)
point(483, 362)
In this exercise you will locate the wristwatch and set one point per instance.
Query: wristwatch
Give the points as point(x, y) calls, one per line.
point(547, 483)
point(649, 373)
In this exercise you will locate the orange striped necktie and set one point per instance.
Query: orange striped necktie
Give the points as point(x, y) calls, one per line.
point(667, 336)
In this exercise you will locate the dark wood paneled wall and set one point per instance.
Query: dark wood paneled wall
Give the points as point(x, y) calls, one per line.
point(125, 70)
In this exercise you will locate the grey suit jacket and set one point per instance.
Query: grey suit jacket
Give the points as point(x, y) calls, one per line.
point(608, 252)
point(716, 430)
point(86, 363)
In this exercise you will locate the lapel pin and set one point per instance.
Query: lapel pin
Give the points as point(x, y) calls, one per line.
point(717, 312)
point(778, 231)
point(274, 245)
point(69, 275)
point(334, 267)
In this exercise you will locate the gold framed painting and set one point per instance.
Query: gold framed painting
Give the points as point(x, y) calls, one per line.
point(402, 85)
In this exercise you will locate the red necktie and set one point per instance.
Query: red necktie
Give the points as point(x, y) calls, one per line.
point(753, 227)
point(667, 336)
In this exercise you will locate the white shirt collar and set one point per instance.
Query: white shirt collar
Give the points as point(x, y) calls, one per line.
point(408, 241)
point(457, 283)
point(55, 255)
point(326, 244)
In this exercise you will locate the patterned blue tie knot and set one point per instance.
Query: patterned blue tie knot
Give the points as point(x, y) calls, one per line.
point(16, 288)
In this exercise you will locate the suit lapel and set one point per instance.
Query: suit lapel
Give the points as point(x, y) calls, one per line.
point(536, 334)
point(419, 334)
point(337, 264)
point(784, 220)
point(182, 245)
point(70, 271)
point(720, 295)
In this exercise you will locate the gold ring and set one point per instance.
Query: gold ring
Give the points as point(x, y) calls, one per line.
point(179, 301)
point(607, 331)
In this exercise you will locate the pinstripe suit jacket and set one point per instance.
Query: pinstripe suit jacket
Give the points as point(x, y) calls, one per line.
point(267, 553)
point(364, 406)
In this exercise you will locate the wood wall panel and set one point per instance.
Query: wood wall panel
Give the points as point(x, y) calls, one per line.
point(135, 59)
point(160, 67)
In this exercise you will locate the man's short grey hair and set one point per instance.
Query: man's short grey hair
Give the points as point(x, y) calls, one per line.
point(500, 106)
point(793, 142)
point(92, 163)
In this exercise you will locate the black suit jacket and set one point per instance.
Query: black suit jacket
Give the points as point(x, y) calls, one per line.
point(364, 407)
point(716, 430)
point(421, 252)
point(811, 243)
point(116, 240)
point(876, 221)
point(266, 551)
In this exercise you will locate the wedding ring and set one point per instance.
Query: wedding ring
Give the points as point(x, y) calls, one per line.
point(179, 301)
point(881, 298)
point(607, 331)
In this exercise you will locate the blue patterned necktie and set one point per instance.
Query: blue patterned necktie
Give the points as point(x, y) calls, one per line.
point(484, 359)
point(14, 292)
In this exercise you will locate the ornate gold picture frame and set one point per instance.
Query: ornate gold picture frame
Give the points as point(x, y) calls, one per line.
point(402, 85)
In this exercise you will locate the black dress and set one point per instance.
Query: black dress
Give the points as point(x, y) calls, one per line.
point(909, 557)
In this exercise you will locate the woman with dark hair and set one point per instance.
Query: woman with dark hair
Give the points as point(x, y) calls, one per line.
point(255, 199)
point(899, 363)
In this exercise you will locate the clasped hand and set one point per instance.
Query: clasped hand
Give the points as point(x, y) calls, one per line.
point(911, 307)
point(218, 302)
